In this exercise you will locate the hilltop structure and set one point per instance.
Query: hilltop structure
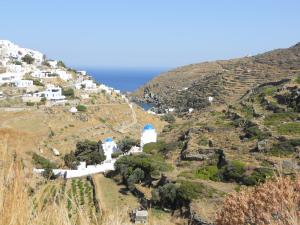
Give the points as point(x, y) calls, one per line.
point(149, 135)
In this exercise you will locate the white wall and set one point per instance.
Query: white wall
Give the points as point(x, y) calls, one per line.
point(93, 169)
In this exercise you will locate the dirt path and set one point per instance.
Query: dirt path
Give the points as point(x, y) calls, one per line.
point(126, 128)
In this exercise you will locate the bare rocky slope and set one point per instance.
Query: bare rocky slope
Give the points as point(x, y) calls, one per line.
point(225, 80)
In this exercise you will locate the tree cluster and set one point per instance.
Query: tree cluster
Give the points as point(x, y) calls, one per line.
point(28, 59)
point(89, 151)
point(126, 144)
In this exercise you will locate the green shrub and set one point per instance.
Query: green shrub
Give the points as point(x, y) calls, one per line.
point(136, 176)
point(127, 143)
point(30, 103)
point(28, 59)
point(188, 191)
point(277, 118)
point(48, 174)
point(166, 195)
point(233, 171)
point(254, 132)
point(61, 64)
point(46, 63)
point(168, 118)
point(298, 80)
point(150, 164)
point(18, 63)
point(207, 173)
point(116, 154)
point(292, 128)
point(81, 108)
point(248, 110)
point(38, 83)
point(88, 151)
point(68, 92)
point(257, 176)
point(43, 162)
point(284, 148)
point(153, 147)
point(269, 90)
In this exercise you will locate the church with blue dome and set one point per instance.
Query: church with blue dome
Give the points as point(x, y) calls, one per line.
point(149, 135)
point(109, 147)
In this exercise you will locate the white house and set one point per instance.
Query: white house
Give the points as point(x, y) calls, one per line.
point(52, 63)
point(63, 74)
point(13, 51)
point(210, 99)
point(118, 92)
point(41, 74)
point(191, 110)
point(9, 77)
point(109, 147)
point(86, 85)
point(23, 83)
point(54, 93)
point(104, 88)
point(149, 135)
point(82, 72)
point(14, 68)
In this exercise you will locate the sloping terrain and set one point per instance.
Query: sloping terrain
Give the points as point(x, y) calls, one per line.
point(227, 80)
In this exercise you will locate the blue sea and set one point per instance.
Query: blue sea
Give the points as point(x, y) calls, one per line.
point(126, 80)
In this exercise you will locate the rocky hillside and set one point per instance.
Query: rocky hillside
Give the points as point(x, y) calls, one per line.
point(220, 149)
point(225, 80)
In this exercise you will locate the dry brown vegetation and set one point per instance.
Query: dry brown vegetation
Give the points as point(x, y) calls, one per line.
point(274, 202)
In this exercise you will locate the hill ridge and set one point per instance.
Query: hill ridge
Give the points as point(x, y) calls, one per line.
point(226, 80)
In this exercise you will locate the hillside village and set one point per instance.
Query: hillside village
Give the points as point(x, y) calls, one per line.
point(226, 129)
point(40, 79)
point(50, 110)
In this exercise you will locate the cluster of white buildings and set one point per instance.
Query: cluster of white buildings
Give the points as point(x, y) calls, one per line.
point(10, 51)
point(110, 147)
point(13, 69)
point(52, 73)
point(52, 93)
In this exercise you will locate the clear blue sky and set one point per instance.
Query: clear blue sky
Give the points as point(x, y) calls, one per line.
point(154, 33)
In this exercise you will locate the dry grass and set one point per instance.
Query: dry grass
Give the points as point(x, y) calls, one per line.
point(276, 202)
point(17, 206)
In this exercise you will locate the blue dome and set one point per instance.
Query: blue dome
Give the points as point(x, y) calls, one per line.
point(148, 127)
point(108, 140)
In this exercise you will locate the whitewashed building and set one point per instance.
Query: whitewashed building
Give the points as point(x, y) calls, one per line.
point(9, 77)
point(64, 75)
point(109, 147)
point(86, 85)
point(82, 72)
point(24, 83)
point(41, 74)
point(149, 135)
point(52, 63)
point(54, 93)
point(14, 68)
point(10, 50)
